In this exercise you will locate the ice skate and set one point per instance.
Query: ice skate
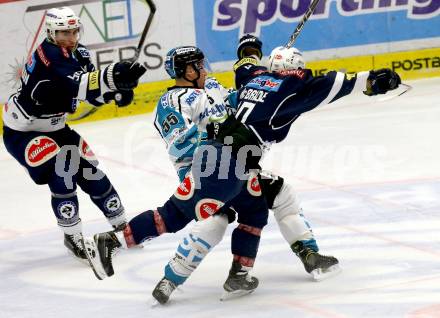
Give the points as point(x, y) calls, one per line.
point(75, 247)
point(163, 290)
point(100, 252)
point(319, 266)
point(238, 283)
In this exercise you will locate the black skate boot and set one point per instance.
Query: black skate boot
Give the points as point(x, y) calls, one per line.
point(100, 252)
point(163, 290)
point(239, 282)
point(107, 244)
point(74, 244)
point(319, 266)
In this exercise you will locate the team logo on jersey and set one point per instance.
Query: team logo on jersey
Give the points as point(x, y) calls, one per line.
point(39, 150)
point(113, 203)
point(253, 186)
point(85, 151)
point(207, 207)
point(67, 209)
point(185, 190)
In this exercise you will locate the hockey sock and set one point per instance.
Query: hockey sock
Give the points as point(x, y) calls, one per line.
point(244, 244)
point(65, 206)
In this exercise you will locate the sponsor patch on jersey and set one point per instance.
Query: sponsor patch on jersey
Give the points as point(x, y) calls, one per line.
point(216, 113)
point(39, 150)
point(266, 83)
point(85, 151)
point(84, 52)
point(253, 186)
point(42, 56)
point(211, 83)
point(246, 60)
point(207, 207)
point(185, 190)
point(192, 97)
point(93, 80)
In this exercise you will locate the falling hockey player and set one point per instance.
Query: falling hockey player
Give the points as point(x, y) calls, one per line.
point(55, 78)
point(191, 117)
point(267, 105)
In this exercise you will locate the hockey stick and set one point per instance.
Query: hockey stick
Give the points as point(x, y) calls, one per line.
point(152, 7)
point(300, 25)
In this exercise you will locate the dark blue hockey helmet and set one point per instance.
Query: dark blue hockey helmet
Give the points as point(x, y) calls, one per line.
point(178, 58)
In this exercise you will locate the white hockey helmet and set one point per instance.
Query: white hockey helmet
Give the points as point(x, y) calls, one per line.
point(62, 18)
point(282, 58)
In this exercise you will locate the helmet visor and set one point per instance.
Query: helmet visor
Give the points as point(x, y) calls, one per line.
point(203, 65)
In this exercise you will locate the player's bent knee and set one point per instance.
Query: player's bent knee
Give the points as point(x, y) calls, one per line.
point(212, 229)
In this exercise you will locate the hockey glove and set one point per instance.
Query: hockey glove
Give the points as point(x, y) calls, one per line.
point(121, 98)
point(229, 213)
point(249, 45)
point(241, 136)
point(123, 75)
point(382, 81)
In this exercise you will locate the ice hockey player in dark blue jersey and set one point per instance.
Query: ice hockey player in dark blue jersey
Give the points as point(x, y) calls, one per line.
point(270, 100)
point(55, 78)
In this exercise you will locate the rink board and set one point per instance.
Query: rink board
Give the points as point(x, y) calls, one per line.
point(410, 65)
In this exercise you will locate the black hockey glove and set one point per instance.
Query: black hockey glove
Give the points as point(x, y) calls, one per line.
point(382, 81)
point(249, 45)
point(270, 186)
point(241, 136)
point(123, 75)
point(229, 213)
point(121, 98)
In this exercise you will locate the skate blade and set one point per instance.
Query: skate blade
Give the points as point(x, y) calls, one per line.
point(319, 274)
point(93, 258)
point(235, 294)
point(153, 303)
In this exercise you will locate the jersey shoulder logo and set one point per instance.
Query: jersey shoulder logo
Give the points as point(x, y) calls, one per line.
point(83, 52)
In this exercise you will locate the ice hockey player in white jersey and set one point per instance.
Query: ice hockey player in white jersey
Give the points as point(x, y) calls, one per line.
point(188, 108)
point(55, 78)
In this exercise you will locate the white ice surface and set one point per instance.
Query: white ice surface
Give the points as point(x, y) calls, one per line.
point(368, 174)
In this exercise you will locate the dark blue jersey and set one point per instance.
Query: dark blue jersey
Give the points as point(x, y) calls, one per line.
point(53, 81)
point(269, 102)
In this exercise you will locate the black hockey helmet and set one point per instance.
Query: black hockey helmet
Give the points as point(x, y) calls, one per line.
point(178, 58)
